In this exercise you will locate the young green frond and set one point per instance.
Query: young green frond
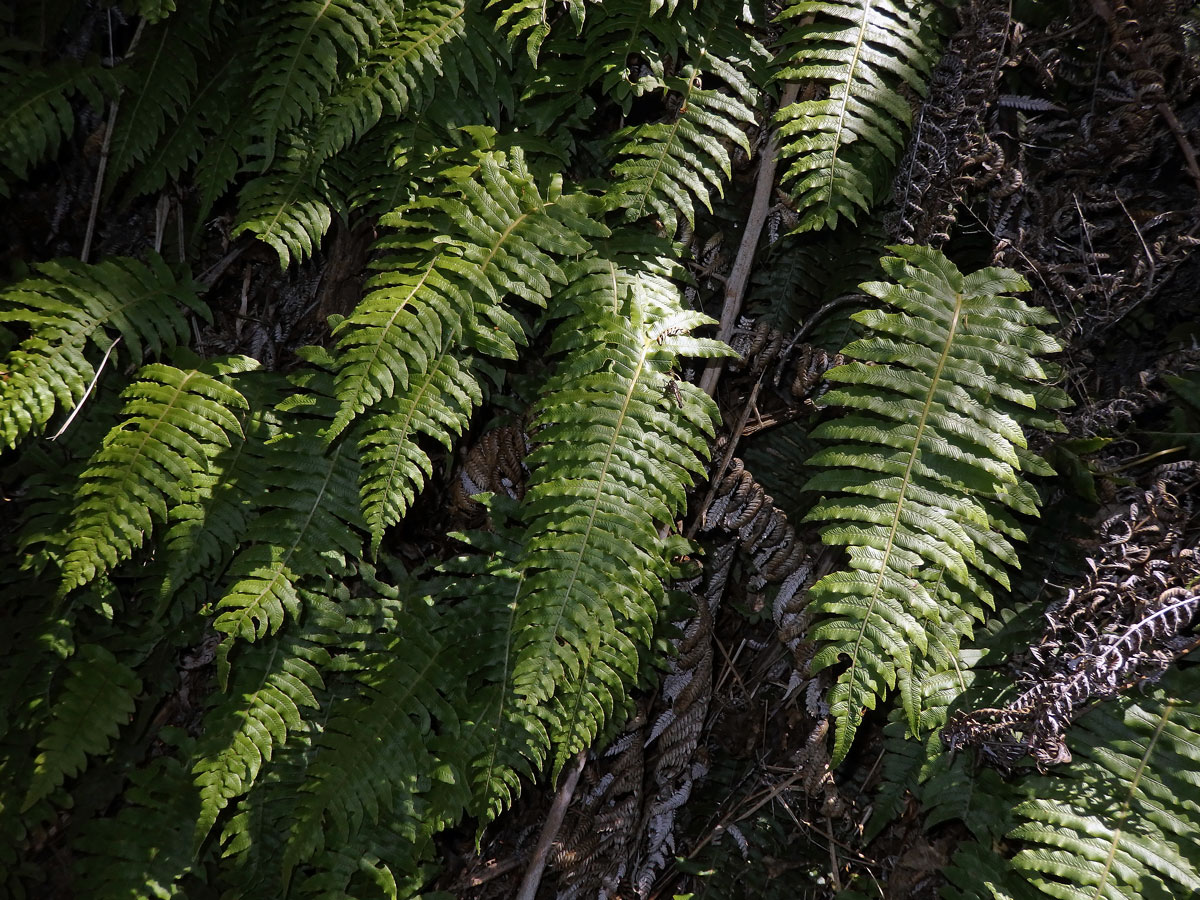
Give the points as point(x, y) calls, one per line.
point(838, 151)
point(176, 421)
point(925, 467)
point(407, 353)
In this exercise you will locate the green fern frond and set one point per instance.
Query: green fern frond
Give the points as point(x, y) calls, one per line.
point(931, 466)
point(70, 305)
point(141, 851)
point(613, 461)
point(528, 20)
point(308, 528)
point(400, 74)
point(176, 421)
point(202, 127)
point(158, 81)
point(385, 751)
point(38, 116)
point(289, 207)
point(154, 10)
point(275, 681)
point(1122, 819)
point(204, 531)
point(664, 168)
point(406, 352)
point(97, 699)
point(864, 55)
point(306, 46)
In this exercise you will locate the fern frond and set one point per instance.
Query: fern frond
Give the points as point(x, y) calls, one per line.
point(141, 851)
point(289, 207)
point(199, 130)
point(385, 751)
point(158, 80)
point(528, 20)
point(70, 305)
point(309, 527)
point(97, 698)
point(274, 682)
point(613, 462)
point(204, 531)
point(930, 469)
point(664, 168)
point(406, 351)
point(176, 421)
point(304, 49)
point(38, 116)
point(399, 75)
point(1122, 819)
point(864, 55)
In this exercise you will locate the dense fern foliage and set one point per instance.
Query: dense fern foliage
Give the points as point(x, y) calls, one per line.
point(285, 273)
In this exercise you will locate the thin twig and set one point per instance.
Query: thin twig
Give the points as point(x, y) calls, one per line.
point(1185, 146)
point(88, 392)
point(108, 133)
point(834, 865)
point(99, 188)
point(494, 870)
point(217, 269)
point(554, 820)
point(739, 275)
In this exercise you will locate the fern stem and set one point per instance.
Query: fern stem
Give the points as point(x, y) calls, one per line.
point(554, 820)
point(108, 133)
point(739, 274)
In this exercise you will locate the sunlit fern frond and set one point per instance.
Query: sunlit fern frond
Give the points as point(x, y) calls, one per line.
point(862, 59)
point(927, 469)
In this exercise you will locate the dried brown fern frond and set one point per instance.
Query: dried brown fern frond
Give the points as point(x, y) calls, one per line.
point(1126, 623)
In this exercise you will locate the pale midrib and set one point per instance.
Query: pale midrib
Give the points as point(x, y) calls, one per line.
point(640, 208)
point(907, 477)
point(1123, 812)
point(841, 121)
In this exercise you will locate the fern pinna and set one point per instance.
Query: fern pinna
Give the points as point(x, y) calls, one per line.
point(927, 469)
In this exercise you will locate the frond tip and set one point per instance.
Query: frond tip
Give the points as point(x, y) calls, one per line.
point(926, 469)
point(838, 150)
